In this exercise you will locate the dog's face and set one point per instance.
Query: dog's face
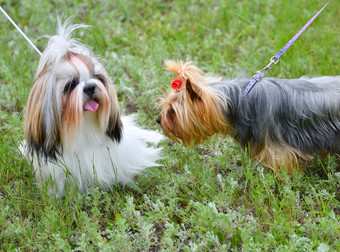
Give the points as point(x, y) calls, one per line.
point(191, 113)
point(171, 118)
point(69, 83)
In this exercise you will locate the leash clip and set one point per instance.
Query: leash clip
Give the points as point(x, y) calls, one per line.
point(273, 60)
point(260, 73)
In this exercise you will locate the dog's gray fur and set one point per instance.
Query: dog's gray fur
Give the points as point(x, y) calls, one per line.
point(303, 113)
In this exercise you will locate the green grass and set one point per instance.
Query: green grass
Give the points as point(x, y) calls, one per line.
point(205, 198)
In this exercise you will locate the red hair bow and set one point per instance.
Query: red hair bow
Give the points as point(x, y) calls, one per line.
point(176, 83)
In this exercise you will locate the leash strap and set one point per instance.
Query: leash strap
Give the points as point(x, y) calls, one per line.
point(19, 30)
point(275, 59)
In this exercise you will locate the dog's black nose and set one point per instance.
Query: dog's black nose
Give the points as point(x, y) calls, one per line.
point(158, 120)
point(89, 89)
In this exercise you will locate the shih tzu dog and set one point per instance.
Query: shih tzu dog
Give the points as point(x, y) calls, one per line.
point(280, 121)
point(74, 133)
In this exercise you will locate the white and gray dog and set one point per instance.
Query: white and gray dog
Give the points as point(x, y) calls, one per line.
point(74, 133)
point(280, 120)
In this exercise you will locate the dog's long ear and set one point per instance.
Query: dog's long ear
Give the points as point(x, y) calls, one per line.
point(42, 119)
point(193, 76)
point(114, 126)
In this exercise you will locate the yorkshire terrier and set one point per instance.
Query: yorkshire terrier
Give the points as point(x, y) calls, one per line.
point(74, 133)
point(280, 121)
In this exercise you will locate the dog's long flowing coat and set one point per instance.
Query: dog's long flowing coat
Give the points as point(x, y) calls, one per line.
point(280, 120)
point(73, 129)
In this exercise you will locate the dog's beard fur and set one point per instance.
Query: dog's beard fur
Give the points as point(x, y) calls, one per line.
point(72, 121)
point(280, 121)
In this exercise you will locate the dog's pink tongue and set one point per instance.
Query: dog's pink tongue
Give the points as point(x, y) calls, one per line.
point(91, 105)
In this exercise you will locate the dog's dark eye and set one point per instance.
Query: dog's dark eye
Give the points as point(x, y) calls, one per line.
point(171, 114)
point(100, 78)
point(71, 85)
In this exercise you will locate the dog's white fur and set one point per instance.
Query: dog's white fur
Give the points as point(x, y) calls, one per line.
point(97, 160)
point(70, 145)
